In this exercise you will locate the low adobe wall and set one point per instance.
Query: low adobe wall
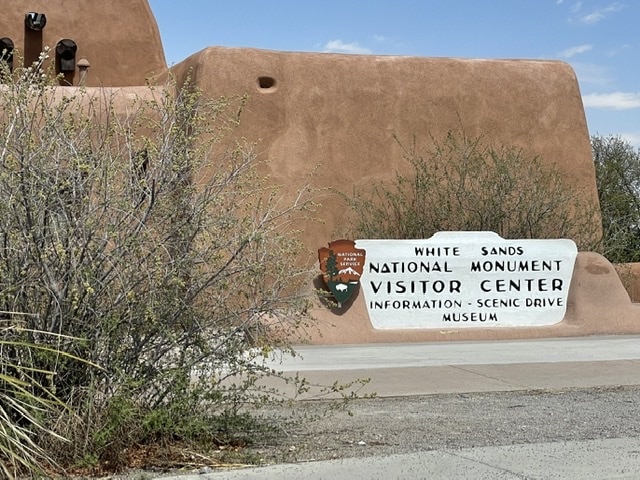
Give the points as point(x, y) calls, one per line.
point(598, 304)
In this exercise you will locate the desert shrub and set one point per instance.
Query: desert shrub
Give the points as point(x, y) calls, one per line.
point(462, 184)
point(135, 243)
point(617, 167)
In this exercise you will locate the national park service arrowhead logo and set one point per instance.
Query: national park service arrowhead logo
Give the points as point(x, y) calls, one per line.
point(342, 265)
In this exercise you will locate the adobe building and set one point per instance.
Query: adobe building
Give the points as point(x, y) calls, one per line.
point(336, 115)
point(118, 39)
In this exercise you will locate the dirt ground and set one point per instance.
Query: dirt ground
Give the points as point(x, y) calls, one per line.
point(383, 426)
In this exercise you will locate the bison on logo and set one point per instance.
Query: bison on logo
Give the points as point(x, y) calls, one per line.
point(341, 264)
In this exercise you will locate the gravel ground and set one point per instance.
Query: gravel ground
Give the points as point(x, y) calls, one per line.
point(383, 426)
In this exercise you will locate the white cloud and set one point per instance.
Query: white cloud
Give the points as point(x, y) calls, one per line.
point(596, 15)
point(338, 46)
point(612, 101)
point(577, 50)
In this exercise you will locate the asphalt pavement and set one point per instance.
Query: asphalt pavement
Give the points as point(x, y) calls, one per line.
point(472, 367)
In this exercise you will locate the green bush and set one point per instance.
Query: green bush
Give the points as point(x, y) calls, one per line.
point(617, 167)
point(461, 184)
point(147, 252)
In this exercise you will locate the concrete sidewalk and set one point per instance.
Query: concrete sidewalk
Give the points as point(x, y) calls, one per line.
point(589, 459)
point(467, 367)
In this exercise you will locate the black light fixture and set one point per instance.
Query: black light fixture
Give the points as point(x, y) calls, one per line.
point(35, 21)
point(66, 55)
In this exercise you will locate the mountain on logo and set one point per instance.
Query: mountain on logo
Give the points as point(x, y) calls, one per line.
point(348, 271)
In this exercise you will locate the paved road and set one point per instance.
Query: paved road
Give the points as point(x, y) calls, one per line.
point(468, 367)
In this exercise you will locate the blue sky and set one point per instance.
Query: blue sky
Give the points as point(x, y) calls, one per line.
point(599, 38)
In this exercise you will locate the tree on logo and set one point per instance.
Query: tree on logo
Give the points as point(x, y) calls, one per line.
point(332, 265)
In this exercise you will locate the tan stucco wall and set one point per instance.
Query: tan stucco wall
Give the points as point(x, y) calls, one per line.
point(341, 112)
point(119, 38)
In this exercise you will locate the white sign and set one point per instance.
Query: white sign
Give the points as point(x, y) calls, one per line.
point(466, 279)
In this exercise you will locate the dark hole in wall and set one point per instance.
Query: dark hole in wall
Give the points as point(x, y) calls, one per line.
point(266, 83)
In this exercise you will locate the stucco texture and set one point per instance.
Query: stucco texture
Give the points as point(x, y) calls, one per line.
point(340, 113)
